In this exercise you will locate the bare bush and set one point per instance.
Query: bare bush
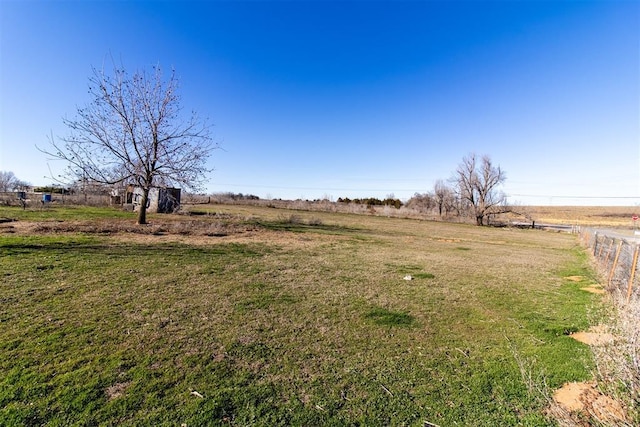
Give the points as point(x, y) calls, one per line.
point(291, 219)
point(618, 363)
point(315, 221)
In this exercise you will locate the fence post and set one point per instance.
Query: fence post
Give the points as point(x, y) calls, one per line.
point(633, 273)
point(602, 247)
point(595, 243)
point(609, 250)
point(615, 263)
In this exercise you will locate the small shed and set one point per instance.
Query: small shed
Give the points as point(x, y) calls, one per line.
point(161, 200)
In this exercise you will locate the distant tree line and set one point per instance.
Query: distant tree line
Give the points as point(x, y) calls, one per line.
point(53, 189)
point(372, 201)
point(472, 191)
point(237, 196)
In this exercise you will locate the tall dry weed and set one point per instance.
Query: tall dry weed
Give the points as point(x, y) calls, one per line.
point(618, 363)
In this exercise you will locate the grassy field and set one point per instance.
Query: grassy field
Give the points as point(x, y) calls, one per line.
point(257, 316)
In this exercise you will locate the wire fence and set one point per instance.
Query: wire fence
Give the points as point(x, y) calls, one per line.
point(617, 258)
point(39, 199)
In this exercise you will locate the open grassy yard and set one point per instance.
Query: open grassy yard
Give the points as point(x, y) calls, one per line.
point(257, 316)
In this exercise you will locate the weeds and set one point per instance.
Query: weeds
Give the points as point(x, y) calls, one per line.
point(295, 219)
point(618, 363)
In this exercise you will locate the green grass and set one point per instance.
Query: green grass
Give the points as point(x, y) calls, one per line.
point(309, 322)
point(382, 316)
point(63, 212)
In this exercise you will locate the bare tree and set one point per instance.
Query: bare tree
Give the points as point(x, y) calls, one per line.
point(443, 196)
point(7, 180)
point(477, 181)
point(132, 131)
point(421, 202)
point(21, 185)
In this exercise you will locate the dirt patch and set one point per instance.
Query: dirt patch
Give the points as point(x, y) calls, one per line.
point(594, 289)
point(255, 236)
point(16, 227)
point(596, 336)
point(585, 397)
point(569, 395)
point(116, 390)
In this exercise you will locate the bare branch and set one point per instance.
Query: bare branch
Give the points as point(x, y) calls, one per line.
point(477, 183)
point(133, 130)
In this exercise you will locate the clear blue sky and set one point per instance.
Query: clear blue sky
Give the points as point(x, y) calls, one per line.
point(357, 99)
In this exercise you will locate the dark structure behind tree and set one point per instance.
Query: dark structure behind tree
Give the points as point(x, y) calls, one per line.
point(159, 200)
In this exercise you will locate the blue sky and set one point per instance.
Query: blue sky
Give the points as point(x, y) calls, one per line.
point(356, 99)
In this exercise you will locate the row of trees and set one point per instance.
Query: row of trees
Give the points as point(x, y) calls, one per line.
point(372, 201)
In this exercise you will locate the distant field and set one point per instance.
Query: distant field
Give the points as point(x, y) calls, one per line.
point(256, 316)
point(612, 216)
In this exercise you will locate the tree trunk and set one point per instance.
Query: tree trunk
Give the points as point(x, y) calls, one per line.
point(479, 219)
point(142, 213)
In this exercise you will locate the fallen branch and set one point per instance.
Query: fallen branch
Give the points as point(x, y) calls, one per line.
point(386, 389)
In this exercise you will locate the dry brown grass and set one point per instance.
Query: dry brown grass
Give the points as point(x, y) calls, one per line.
point(167, 225)
point(610, 216)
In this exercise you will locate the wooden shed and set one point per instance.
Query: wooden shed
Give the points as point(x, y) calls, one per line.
point(161, 200)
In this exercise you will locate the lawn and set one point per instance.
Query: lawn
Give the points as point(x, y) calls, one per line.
point(284, 318)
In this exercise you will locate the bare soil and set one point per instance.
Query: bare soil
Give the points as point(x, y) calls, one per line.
point(582, 401)
point(117, 390)
point(585, 398)
point(597, 335)
point(594, 289)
